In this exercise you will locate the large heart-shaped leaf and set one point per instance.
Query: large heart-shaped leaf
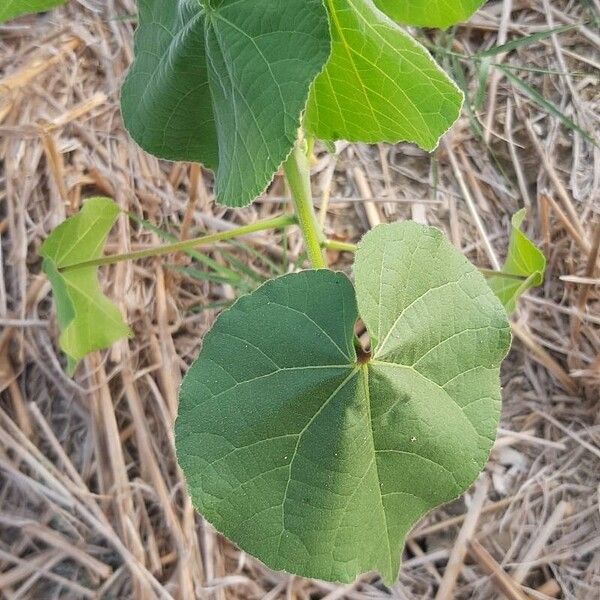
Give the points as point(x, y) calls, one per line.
point(13, 8)
point(379, 84)
point(88, 320)
point(429, 13)
point(524, 268)
point(224, 83)
point(319, 462)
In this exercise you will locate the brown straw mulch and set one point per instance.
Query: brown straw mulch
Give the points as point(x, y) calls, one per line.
point(92, 504)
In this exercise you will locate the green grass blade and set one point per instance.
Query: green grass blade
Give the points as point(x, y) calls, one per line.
point(546, 105)
point(526, 40)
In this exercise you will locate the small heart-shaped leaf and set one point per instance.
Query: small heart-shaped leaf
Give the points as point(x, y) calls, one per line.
point(429, 13)
point(224, 83)
point(14, 8)
point(88, 320)
point(319, 462)
point(380, 84)
point(524, 261)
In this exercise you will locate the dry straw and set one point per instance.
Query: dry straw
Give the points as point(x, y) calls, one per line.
point(92, 504)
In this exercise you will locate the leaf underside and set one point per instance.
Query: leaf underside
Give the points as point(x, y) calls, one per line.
point(429, 13)
point(87, 319)
point(380, 84)
point(318, 464)
point(14, 8)
point(224, 83)
point(523, 259)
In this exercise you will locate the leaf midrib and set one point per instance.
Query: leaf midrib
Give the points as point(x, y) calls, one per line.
point(365, 372)
point(346, 46)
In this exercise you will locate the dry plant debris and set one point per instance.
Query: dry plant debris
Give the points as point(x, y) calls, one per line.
point(92, 504)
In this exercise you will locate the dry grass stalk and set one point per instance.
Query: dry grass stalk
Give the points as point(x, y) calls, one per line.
point(541, 539)
point(506, 585)
point(460, 548)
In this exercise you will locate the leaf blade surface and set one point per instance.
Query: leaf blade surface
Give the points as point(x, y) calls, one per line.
point(15, 8)
point(224, 84)
point(429, 13)
point(319, 463)
point(523, 260)
point(88, 320)
point(379, 84)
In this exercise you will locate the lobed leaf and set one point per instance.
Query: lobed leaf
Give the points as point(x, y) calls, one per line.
point(429, 13)
point(88, 320)
point(224, 83)
point(14, 8)
point(379, 83)
point(524, 260)
point(319, 462)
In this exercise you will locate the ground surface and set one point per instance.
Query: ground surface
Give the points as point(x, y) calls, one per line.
point(91, 502)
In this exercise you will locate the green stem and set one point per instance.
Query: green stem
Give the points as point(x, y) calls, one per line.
point(297, 173)
point(493, 273)
point(345, 247)
point(340, 246)
point(273, 223)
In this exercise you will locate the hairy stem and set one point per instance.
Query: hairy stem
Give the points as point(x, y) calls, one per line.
point(297, 173)
point(272, 223)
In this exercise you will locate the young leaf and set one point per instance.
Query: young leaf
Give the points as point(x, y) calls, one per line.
point(87, 319)
point(429, 13)
point(224, 83)
point(524, 261)
point(379, 84)
point(317, 462)
point(14, 8)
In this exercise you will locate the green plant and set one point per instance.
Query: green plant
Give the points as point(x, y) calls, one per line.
point(319, 458)
point(523, 269)
point(309, 449)
point(14, 8)
point(80, 304)
point(226, 83)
